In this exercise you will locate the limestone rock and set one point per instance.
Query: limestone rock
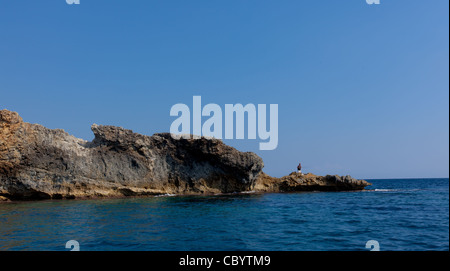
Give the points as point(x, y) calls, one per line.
point(296, 182)
point(40, 163)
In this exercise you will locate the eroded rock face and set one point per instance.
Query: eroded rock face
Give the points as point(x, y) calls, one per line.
point(296, 182)
point(40, 163)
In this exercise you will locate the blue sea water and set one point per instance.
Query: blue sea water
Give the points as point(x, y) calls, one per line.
point(401, 214)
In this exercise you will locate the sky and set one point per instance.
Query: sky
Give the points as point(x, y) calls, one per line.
point(361, 89)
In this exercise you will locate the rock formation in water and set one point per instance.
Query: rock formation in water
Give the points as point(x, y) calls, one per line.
point(296, 182)
point(36, 162)
point(40, 163)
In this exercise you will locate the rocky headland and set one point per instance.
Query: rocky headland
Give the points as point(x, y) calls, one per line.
point(41, 163)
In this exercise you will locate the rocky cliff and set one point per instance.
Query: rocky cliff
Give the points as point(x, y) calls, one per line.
point(40, 163)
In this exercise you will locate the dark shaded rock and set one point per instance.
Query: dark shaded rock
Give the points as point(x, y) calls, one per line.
point(40, 163)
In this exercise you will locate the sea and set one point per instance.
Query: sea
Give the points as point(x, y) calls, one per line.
point(394, 214)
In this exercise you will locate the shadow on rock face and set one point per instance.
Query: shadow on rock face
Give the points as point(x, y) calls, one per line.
point(40, 163)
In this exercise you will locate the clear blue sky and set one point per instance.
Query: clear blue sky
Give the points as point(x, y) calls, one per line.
point(362, 89)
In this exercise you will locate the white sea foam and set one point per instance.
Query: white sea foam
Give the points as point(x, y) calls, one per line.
point(165, 195)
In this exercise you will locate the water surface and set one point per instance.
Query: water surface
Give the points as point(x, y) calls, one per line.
point(401, 214)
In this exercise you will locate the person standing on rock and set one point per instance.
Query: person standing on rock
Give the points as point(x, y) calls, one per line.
point(299, 168)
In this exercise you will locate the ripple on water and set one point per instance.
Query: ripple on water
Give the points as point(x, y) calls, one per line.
point(400, 214)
